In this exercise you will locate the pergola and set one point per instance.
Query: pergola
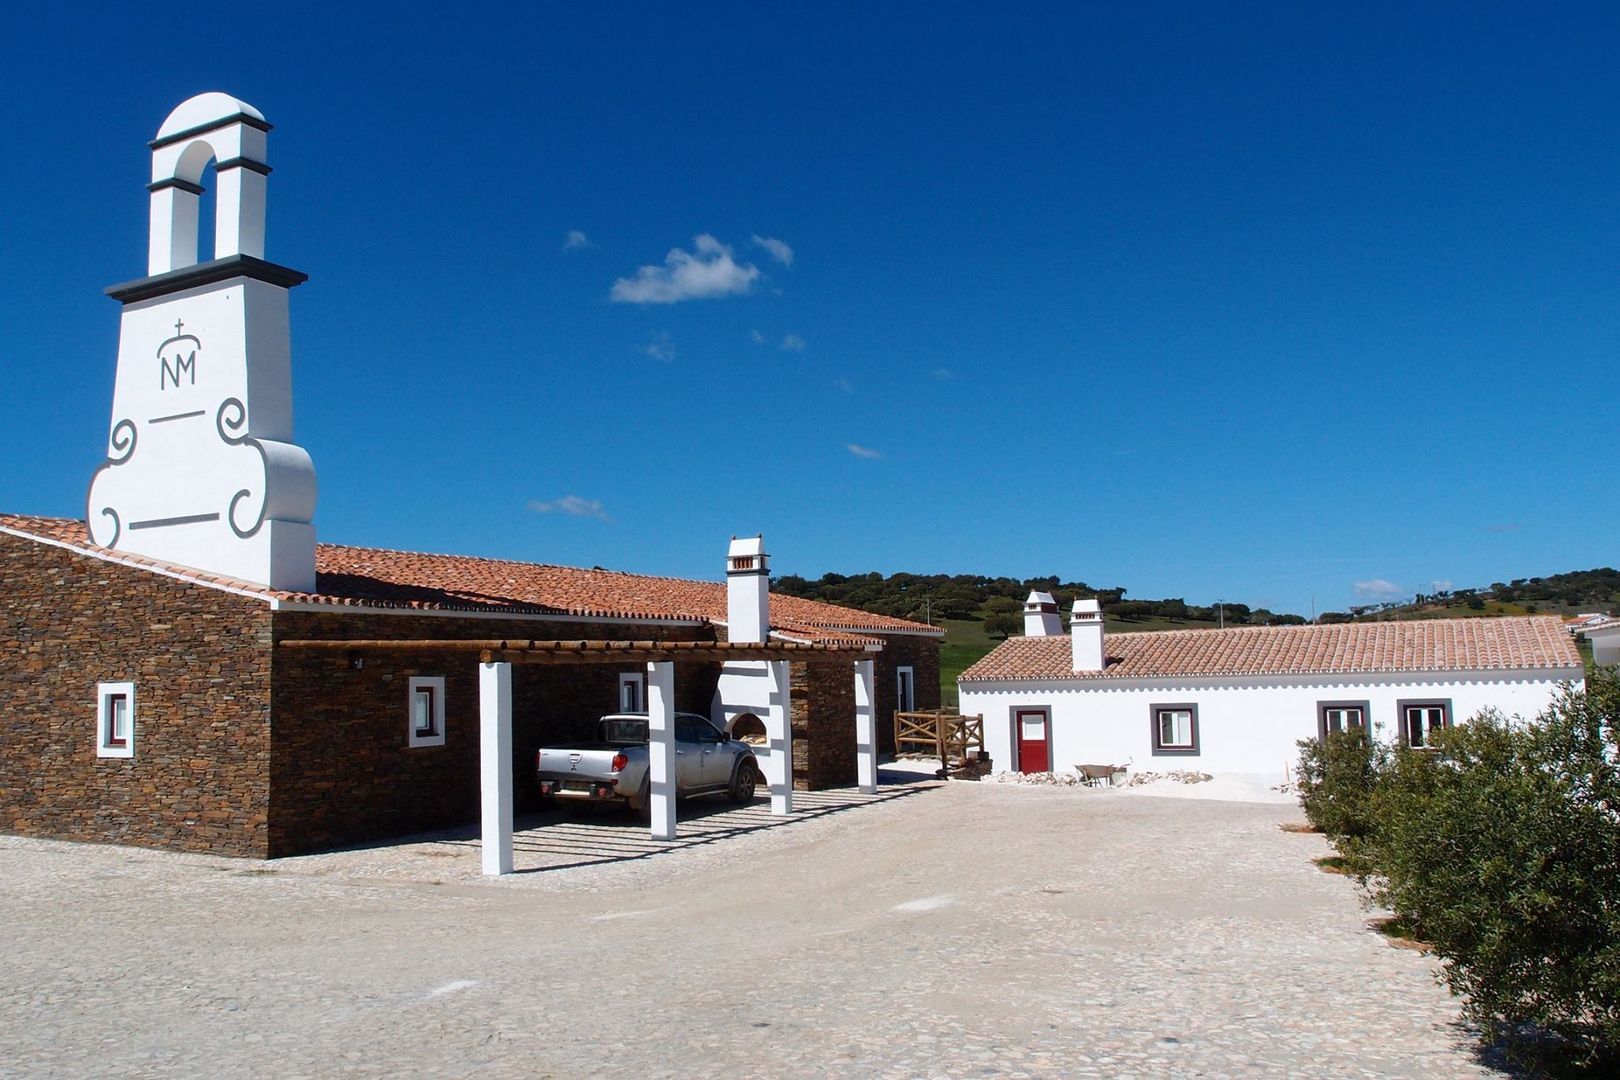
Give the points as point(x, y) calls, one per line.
point(495, 660)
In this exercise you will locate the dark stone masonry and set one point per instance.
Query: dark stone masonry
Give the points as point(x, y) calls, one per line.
point(243, 748)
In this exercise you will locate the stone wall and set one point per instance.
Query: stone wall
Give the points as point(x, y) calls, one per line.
point(824, 709)
point(921, 654)
point(343, 769)
point(199, 659)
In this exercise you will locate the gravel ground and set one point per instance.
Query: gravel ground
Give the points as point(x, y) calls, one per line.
point(933, 930)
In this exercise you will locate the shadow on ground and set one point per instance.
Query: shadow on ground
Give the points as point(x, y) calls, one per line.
point(583, 834)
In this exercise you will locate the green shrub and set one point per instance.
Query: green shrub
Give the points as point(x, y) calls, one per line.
point(1337, 778)
point(1500, 847)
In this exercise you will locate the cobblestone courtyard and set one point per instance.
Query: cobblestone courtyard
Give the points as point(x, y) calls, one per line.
point(936, 930)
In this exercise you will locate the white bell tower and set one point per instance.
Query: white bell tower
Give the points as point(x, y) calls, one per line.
point(201, 466)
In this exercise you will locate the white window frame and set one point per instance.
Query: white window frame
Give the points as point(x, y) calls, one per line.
point(434, 684)
point(905, 679)
point(1403, 710)
point(637, 679)
point(107, 743)
point(1190, 748)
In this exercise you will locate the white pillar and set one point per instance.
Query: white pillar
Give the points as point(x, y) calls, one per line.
point(866, 751)
point(661, 748)
point(239, 202)
point(495, 765)
point(172, 235)
point(779, 733)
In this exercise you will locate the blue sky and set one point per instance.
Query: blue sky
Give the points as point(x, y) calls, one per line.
point(1283, 305)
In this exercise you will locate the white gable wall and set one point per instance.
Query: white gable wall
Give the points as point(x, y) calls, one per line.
point(1245, 724)
point(1605, 645)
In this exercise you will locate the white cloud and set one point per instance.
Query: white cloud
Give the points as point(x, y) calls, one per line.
point(756, 337)
point(793, 343)
point(1378, 589)
point(575, 240)
point(573, 506)
point(707, 271)
point(775, 248)
point(844, 384)
point(862, 451)
point(944, 374)
point(660, 348)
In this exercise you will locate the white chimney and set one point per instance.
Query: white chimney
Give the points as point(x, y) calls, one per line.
point(748, 590)
point(1041, 616)
point(1086, 630)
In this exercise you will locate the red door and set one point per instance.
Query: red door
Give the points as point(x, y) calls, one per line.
point(1034, 740)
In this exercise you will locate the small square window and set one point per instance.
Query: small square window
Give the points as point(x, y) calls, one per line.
point(1421, 719)
point(633, 691)
point(1175, 729)
point(115, 720)
point(426, 709)
point(1337, 716)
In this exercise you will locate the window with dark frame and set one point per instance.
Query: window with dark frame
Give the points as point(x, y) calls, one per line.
point(1339, 716)
point(117, 720)
point(1421, 719)
point(1175, 729)
point(905, 698)
point(424, 722)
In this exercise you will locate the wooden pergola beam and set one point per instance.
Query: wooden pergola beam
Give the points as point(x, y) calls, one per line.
point(517, 651)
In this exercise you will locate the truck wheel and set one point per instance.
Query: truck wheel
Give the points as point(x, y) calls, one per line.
point(641, 802)
point(743, 782)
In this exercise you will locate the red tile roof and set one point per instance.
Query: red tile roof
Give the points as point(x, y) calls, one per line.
point(1536, 641)
point(377, 577)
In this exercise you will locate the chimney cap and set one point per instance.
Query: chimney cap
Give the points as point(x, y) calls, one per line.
point(1088, 606)
point(751, 545)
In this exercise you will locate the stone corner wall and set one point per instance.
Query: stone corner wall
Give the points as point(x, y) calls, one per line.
point(199, 659)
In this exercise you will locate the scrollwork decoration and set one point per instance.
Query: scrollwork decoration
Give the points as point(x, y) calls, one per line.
point(122, 442)
point(232, 414)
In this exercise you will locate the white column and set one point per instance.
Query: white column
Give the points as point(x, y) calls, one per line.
point(661, 748)
point(172, 235)
point(495, 765)
point(779, 733)
point(866, 751)
point(239, 198)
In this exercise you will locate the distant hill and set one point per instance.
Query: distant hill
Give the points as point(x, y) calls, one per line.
point(1572, 593)
point(939, 598)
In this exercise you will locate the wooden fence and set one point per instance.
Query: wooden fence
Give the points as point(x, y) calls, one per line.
point(940, 733)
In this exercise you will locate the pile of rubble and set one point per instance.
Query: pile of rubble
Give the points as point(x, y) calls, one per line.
point(1179, 776)
point(1046, 778)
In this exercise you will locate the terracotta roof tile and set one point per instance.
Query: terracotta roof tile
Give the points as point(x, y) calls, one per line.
point(377, 577)
point(1536, 641)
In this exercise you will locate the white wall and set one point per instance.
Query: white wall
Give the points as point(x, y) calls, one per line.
point(201, 470)
point(1605, 646)
point(1246, 725)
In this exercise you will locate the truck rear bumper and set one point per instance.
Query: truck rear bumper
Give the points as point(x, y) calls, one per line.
point(578, 787)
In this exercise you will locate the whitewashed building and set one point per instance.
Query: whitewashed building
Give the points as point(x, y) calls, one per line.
point(1238, 700)
point(1605, 639)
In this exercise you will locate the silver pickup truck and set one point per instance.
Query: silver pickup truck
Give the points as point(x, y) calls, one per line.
point(615, 766)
